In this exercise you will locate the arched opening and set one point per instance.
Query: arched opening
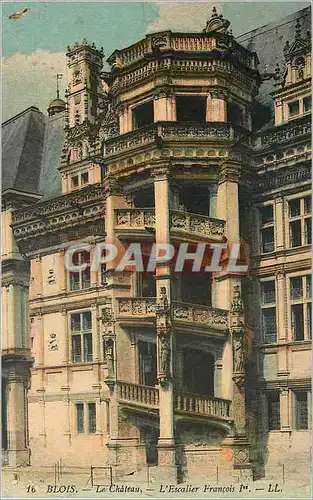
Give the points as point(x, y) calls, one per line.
point(199, 372)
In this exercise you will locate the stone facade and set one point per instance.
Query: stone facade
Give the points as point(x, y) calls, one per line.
point(186, 372)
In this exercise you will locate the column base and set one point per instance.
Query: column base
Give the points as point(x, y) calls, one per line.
point(18, 458)
point(237, 449)
point(167, 470)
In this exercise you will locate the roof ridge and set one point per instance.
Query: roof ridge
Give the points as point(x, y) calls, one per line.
point(27, 110)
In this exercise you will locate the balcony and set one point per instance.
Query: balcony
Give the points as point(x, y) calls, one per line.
point(160, 132)
point(190, 318)
point(195, 318)
point(183, 225)
point(133, 311)
point(141, 398)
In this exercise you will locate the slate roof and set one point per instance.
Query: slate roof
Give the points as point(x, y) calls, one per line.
point(31, 149)
point(269, 41)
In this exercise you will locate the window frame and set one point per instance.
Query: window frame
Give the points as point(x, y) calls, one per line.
point(296, 426)
point(81, 335)
point(84, 426)
point(303, 217)
point(265, 226)
point(305, 300)
point(265, 306)
point(80, 274)
point(272, 428)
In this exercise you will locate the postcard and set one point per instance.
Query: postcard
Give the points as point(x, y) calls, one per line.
point(156, 250)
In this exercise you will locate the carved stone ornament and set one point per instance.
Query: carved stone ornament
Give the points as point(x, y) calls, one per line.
point(109, 356)
point(239, 354)
point(237, 304)
point(164, 350)
point(51, 280)
point(217, 23)
point(53, 343)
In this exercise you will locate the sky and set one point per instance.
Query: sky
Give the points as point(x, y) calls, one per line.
point(33, 47)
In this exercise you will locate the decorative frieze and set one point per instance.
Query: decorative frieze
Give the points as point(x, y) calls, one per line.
point(198, 314)
point(196, 224)
point(151, 134)
point(136, 306)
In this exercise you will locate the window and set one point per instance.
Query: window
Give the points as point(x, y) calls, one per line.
point(75, 181)
point(267, 229)
point(293, 108)
point(267, 235)
point(234, 114)
point(79, 180)
point(91, 417)
point(81, 337)
point(273, 407)
point(84, 178)
point(307, 104)
point(268, 297)
point(269, 325)
point(80, 280)
point(300, 306)
point(191, 109)
point(268, 292)
point(86, 418)
point(267, 214)
point(300, 222)
point(143, 115)
point(80, 417)
point(104, 280)
point(301, 410)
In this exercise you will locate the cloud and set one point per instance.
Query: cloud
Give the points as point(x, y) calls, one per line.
point(30, 80)
point(183, 16)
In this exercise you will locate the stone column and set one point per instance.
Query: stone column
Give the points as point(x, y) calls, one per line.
point(216, 108)
point(95, 332)
point(164, 105)
point(213, 200)
point(16, 373)
point(279, 223)
point(284, 410)
point(166, 443)
point(242, 468)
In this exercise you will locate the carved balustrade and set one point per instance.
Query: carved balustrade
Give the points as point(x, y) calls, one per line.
point(202, 405)
point(199, 314)
point(162, 131)
point(136, 306)
point(139, 394)
point(196, 224)
point(134, 218)
point(188, 403)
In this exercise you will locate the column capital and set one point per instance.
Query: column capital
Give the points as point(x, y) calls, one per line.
point(111, 186)
point(218, 94)
point(230, 171)
point(161, 172)
point(162, 92)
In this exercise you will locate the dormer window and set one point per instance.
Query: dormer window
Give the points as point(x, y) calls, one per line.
point(79, 180)
point(293, 108)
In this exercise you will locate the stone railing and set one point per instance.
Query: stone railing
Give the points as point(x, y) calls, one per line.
point(69, 201)
point(162, 131)
point(267, 182)
point(136, 306)
point(138, 394)
point(202, 405)
point(134, 218)
point(146, 396)
point(285, 132)
point(199, 314)
point(196, 224)
point(167, 41)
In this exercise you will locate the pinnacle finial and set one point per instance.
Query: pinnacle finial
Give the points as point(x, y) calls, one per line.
point(298, 29)
point(214, 12)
